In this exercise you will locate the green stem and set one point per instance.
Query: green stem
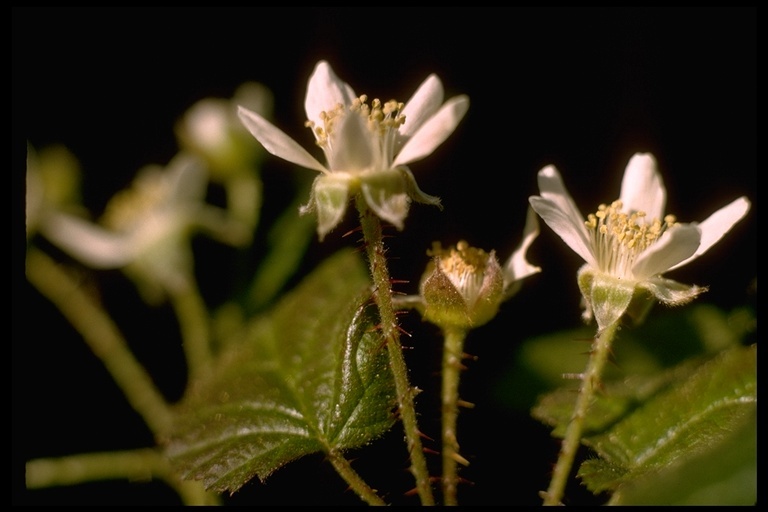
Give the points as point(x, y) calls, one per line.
point(102, 336)
point(589, 382)
point(380, 273)
point(143, 464)
point(193, 321)
point(245, 197)
point(356, 483)
point(453, 349)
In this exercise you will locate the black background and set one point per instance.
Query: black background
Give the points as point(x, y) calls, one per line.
point(581, 88)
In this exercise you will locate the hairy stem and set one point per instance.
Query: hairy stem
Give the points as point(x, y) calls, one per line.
point(102, 336)
point(381, 280)
point(453, 349)
point(356, 483)
point(589, 382)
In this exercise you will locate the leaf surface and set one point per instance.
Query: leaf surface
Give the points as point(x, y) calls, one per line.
point(310, 376)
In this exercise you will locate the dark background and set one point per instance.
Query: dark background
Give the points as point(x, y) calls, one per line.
point(581, 88)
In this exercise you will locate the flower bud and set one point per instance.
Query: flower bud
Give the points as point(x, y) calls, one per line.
point(212, 130)
point(462, 287)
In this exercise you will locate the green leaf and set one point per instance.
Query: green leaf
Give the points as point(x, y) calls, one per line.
point(681, 430)
point(312, 376)
point(725, 474)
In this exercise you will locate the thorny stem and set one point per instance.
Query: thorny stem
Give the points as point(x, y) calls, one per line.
point(589, 382)
point(135, 465)
point(380, 273)
point(453, 349)
point(356, 483)
point(102, 336)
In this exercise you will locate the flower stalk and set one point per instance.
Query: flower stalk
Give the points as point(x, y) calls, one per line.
point(193, 321)
point(372, 232)
point(453, 351)
point(143, 464)
point(590, 381)
point(103, 337)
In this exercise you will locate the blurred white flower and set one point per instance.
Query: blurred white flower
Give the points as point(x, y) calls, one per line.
point(630, 243)
point(145, 229)
point(366, 146)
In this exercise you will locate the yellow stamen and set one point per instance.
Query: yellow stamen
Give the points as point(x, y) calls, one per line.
point(618, 238)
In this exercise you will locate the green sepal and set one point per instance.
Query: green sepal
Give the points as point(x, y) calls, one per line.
point(444, 305)
point(606, 296)
point(385, 194)
point(329, 198)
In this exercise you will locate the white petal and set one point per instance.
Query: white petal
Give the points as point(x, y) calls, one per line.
point(517, 266)
point(717, 225)
point(559, 211)
point(325, 90)
point(87, 242)
point(277, 142)
point(675, 245)
point(351, 144)
point(642, 188)
point(434, 131)
point(422, 105)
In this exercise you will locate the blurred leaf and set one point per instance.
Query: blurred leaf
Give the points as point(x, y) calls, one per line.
point(312, 376)
point(686, 424)
point(555, 359)
point(616, 399)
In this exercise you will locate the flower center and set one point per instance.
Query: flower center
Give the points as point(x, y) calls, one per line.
point(130, 206)
point(618, 238)
point(465, 267)
point(382, 120)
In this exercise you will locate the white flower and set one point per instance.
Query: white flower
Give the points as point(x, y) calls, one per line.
point(630, 243)
point(367, 147)
point(145, 229)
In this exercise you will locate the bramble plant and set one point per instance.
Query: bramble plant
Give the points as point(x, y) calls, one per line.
point(301, 364)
